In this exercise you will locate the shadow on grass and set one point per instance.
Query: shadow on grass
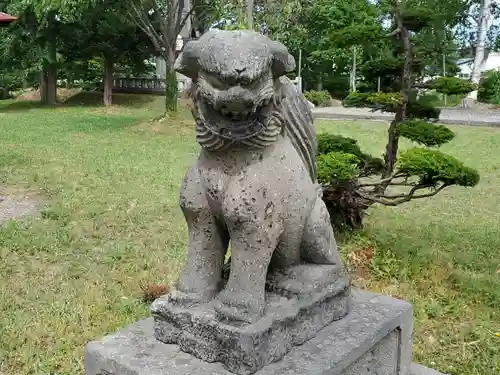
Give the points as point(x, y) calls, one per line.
point(82, 99)
point(90, 99)
point(20, 105)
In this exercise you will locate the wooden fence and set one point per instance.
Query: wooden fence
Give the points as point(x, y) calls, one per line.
point(133, 85)
point(151, 85)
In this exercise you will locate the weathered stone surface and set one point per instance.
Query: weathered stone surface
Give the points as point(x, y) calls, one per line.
point(254, 184)
point(374, 339)
point(303, 303)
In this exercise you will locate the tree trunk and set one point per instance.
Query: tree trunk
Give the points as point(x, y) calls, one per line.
point(50, 95)
point(108, 81)
point(51, 84)
point(43, 86)
point(319, 84)
point(392, 146)
point(353, 72)
point(171, 90)
point(481, 42)
point(250, 14)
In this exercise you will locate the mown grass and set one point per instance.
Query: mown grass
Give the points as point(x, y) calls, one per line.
point(442, 254)
point(111, 222)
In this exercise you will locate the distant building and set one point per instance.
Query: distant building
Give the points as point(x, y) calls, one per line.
point(491, 61)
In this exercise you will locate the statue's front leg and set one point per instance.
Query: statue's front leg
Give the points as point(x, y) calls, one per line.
point(254, 228)
point(201, 278)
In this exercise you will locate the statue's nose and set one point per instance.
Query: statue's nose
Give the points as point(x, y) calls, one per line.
point(236, 99)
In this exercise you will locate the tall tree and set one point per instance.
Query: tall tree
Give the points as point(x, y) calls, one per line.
point(103, 32)
point(482, 31)
point(312, 26)
point(40, 21)
point(424, 172)
point(162, 21)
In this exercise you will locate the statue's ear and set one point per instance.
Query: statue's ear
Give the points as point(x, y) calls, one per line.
point(283, 62)
point(188, 62)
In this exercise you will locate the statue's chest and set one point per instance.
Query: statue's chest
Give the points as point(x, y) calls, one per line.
point(228, 174)
point(221, 175)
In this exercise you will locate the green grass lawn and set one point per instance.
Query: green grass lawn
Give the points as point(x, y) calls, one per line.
point(109, 181)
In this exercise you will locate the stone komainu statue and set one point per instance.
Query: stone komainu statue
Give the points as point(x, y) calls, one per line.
point(254, 184)
point(253, 189)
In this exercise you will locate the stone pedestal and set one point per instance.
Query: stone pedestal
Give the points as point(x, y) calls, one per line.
point(373, 339)
point(300, 303)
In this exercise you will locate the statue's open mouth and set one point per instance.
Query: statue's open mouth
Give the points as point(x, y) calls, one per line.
point(261, 108)
point(237, 124)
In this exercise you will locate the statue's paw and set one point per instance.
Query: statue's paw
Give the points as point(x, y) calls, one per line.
point(186, 300)
point(186, 295)
point(192, 291)
point(240, 307)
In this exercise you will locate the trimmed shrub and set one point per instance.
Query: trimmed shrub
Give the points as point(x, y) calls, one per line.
point(489, 87)
point(319, 98)
point(451, 85)
point(432, 167)
point(336, 167)
point(425, 133)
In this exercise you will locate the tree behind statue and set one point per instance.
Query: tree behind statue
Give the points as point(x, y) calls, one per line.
point(353, 180)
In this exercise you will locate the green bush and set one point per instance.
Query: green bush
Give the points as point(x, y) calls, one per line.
point(425, 133)
point(337, 86)
point(336, 143)
point(336, 167)
point(341, 164)
point(387, 101)
point(451, 85)
point(11, 81)
point(422, 109)
point(319, 98)
point(367, 164)
point(489, 87)
point(435, 99)
point(390, 102)
point(356, 99)
point(433, 167)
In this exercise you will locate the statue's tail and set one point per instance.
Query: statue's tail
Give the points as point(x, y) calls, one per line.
point(299, 125)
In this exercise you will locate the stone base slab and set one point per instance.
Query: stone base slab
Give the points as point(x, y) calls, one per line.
point(373, 339)
point(246, 347)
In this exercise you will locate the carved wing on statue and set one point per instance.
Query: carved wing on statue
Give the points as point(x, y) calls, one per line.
point(299, 125)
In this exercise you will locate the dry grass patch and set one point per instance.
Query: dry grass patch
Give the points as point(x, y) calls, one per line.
point(17, 202)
